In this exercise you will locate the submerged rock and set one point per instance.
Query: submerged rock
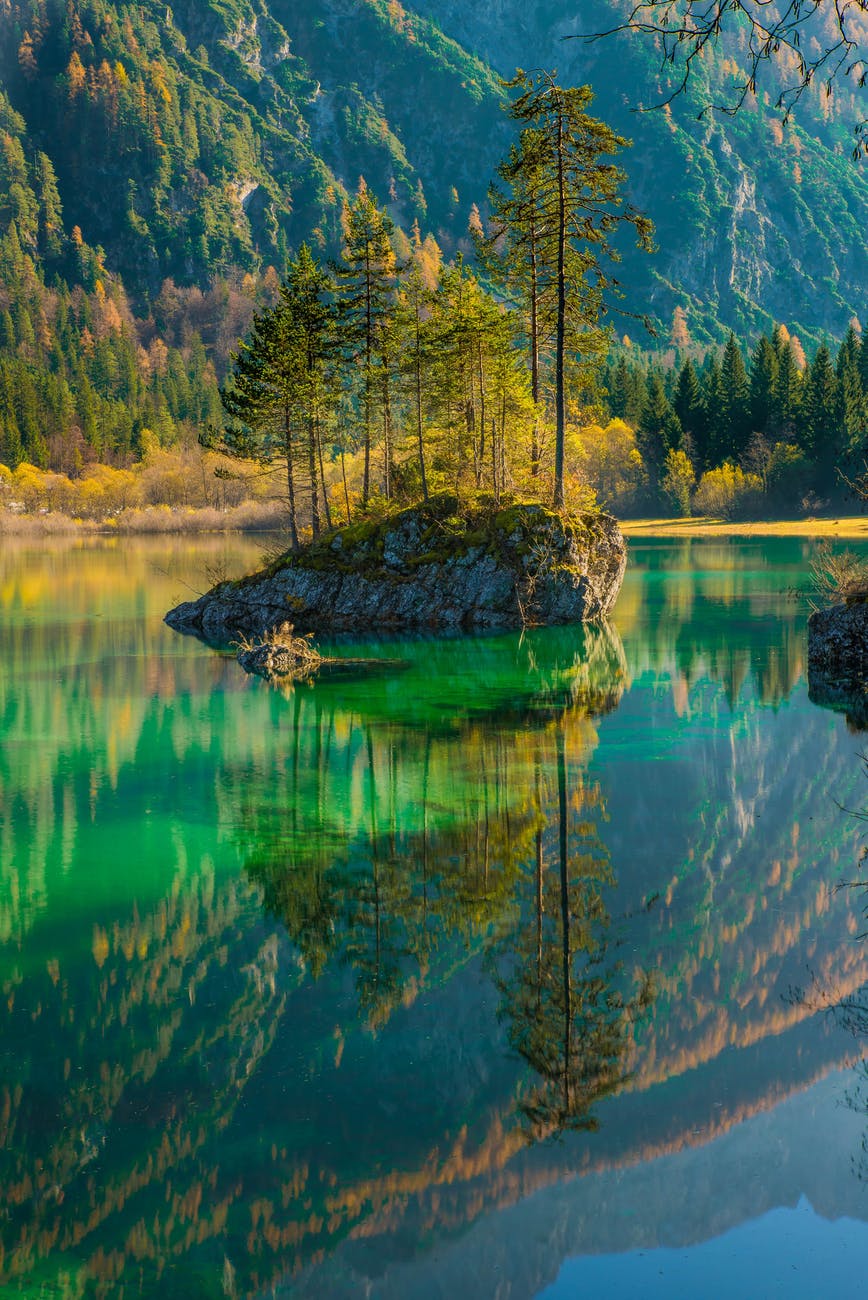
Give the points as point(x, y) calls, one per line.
point(427, 567)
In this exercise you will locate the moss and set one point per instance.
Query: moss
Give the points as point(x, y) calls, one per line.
point(447, 528)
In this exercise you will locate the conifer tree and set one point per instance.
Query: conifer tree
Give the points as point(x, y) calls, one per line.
point(687, 402)
point(659, 430)
point(366, 285)
point(710, 449)
point(762, 380)
point(787, 388)
point(821, 428)
point(735, 394)
point(308, 318)
point(563, 167)
point(851, 407)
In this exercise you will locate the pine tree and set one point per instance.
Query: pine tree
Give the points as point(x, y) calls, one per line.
point(788, 388)
point(306, 304)
point(735, 395)
point(710, 449)
point(763, 380)
point(562, 166)
point(659, 430)
point(687, 403)
point(822, 432)
point(852, 410)
point(366, 296)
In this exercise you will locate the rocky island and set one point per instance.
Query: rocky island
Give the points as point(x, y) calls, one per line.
point(441, 565)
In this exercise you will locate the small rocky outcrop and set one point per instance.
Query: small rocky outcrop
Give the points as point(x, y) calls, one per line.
point(838, 660)
point(280, 655)
point(438, 565)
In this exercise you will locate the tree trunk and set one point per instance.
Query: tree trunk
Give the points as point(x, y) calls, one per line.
point(418, 378)
point(290, 479)
point(312, 474)
point(560, 338)
point(325, 496)
point(535, 448)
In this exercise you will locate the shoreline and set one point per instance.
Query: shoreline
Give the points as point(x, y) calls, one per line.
point(265, 518)
point(850, 526)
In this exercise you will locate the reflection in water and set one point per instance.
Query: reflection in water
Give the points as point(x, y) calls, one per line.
point(288, 979)
point(566, 1020)
point(390, 906)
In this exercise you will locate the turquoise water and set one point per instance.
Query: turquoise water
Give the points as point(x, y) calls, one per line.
point(503, 960)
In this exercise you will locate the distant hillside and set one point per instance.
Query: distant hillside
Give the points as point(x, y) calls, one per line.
point(214, 135)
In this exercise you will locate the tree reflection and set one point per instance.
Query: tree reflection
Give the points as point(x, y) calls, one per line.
point(567, 1018)
point(495, 845)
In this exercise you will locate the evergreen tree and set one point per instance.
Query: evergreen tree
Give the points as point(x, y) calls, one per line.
point(687, 403)
point(822, 431)
point(711, 450)
point(659, 430)
point(852, 410)
point(306, 305)
point(763, 381)
point(787, 389)
point(735, 411)
point(562, 166)
point(366, 299)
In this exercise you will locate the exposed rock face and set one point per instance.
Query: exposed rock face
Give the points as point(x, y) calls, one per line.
point(838, 642)
point(838, 660)
point(426, 567)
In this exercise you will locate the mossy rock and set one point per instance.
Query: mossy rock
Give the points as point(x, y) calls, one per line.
point(442, 563)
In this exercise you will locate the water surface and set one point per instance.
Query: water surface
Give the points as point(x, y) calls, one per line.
point(496, 968)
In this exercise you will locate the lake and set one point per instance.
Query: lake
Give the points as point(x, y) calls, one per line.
point(514, 965)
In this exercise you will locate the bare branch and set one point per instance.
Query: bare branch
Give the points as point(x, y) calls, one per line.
point(814, 42)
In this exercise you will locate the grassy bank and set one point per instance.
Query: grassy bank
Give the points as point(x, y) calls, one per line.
point(852, 526)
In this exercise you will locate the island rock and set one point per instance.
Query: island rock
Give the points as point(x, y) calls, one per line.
point(439, 566)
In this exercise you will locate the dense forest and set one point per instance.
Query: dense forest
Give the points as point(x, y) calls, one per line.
point(163, 181)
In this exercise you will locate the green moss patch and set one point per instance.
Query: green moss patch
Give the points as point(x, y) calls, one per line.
point(437, 531)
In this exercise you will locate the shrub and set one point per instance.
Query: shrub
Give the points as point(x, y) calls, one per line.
point(678, 481)
point(729, 493)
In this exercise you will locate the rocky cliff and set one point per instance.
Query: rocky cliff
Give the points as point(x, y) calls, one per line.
point(426, 567)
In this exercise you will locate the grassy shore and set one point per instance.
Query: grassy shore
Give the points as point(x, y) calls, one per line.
point(851, 526)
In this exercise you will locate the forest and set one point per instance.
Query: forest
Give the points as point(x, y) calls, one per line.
point(421, 377)
point(405, 345)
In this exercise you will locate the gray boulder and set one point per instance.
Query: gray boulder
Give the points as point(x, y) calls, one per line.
point(434, 566)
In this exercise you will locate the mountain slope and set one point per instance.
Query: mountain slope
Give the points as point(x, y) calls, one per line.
point(214, 136)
